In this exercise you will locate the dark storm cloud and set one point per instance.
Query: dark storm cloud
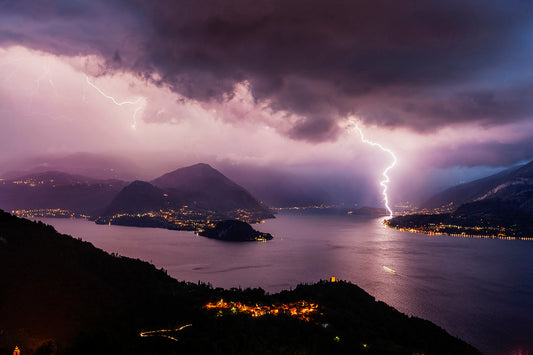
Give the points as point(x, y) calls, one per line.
point(72, 28)
point(385, 61)
point(489, 154)
point(425, 111)
point(487, 105)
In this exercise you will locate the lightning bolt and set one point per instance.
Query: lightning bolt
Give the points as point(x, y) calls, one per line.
point(385, 181)
point(140, 102)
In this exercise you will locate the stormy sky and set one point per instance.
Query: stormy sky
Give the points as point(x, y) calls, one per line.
point(446, 85)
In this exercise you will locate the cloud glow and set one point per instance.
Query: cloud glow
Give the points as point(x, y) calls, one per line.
point(54, 104)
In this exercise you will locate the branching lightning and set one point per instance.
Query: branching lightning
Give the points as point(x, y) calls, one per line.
point(140, 102)
point(385, 181)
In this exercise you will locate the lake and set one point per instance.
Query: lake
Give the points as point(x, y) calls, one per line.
point(480, 290)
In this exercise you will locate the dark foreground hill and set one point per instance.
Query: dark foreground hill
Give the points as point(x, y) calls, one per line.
point(62, 295)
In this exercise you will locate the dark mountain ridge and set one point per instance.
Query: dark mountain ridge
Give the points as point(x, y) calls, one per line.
point(498, 206)
point(98, 166)
point(206, 188)
point(199, 186)
point(513, 185)
point(139, 197)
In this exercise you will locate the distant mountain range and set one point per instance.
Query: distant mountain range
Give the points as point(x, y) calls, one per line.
point(57, 190)
point(514, 186)
point(197, 192)
point(277, 186)
point(93, 165)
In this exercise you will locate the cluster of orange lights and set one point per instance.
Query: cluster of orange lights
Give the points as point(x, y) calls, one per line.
point(188, 217)
point(301, 310)
point(46, 212)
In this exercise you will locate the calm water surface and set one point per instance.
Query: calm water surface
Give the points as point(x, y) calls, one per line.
point(480, 290)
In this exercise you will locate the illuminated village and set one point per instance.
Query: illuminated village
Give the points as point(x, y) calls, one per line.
point(464, 232)
point(415, 223)
point(47, 212)
point(301, 310)
point(183, 219)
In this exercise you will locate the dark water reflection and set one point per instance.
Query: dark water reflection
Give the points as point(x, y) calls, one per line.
point(480, 290)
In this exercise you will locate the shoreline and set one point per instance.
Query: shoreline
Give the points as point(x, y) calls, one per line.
point(459, 235)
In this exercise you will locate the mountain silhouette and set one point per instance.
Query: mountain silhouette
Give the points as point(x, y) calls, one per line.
point(207, 188)
point(513, 186)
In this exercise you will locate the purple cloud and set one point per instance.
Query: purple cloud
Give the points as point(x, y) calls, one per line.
point(419, 65)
